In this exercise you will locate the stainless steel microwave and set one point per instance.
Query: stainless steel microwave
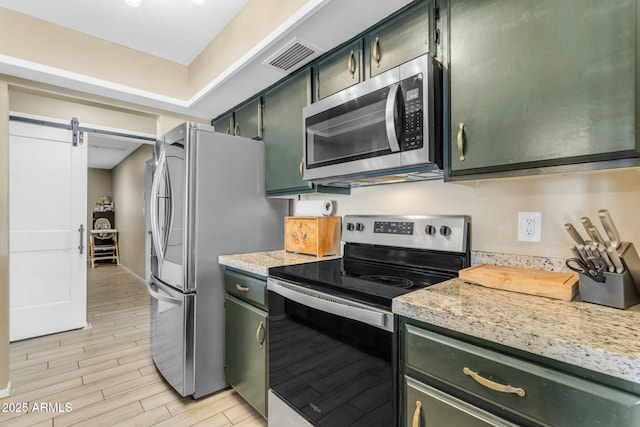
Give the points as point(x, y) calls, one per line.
point(379, 130)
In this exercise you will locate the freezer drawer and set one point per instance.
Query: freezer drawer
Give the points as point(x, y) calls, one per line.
point(172, 336)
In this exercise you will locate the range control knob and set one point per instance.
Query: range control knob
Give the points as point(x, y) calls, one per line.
point(359, 226)
point(350, 226)
point(445, 230)
point(430, 230)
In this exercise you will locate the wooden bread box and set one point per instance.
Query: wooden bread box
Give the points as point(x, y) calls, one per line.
point(313, 235)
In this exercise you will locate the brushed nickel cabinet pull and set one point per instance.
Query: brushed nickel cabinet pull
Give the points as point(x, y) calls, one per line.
point(376, 51)
point(502, 388)
point(351, 64)
point(460, 141)
point(236, 129)
point(416, 415)
point(228, 131)
point(260, 338)
point(301, 162)
point(242, 288)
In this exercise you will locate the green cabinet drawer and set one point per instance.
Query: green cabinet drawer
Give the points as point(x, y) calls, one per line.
point(399, 40)
point(426, 406)
point(246, 287)
point(245, 351)
point(532, 391)
point(339, 70)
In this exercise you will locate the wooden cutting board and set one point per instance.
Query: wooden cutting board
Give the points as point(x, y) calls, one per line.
point(524, 280)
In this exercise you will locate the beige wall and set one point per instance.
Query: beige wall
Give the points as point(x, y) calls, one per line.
point(4, 235)
point(128, 194)
point(64, 107)
point(494, 205)
point(31, 39)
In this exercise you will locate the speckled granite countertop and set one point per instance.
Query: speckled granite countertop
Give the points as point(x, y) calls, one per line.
point(260, 262)
point(594, 337)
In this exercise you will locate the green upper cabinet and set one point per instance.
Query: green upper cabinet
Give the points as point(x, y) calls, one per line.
point(248, 119)
point(223, 124)
point(400, 39)
point(283, 134)
point(544, 83)
point(339, 70)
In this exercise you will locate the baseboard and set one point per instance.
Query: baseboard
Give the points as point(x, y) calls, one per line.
point(7, 391)
point(134, 274)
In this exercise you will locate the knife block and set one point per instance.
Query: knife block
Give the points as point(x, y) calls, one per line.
point(618, 290)
point(631, 262)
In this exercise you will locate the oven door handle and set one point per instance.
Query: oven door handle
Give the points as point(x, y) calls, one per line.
point(332, 304)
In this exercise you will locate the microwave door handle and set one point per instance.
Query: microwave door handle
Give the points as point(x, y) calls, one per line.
point(389, 114)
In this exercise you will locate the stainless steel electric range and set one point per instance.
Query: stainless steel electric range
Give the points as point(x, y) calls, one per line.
point(331, 341)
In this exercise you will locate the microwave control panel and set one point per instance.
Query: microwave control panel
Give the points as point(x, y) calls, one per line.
point(413, 113)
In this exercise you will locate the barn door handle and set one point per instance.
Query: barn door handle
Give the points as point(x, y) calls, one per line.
point(81, 230)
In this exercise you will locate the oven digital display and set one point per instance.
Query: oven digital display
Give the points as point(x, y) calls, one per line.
point(388, 227)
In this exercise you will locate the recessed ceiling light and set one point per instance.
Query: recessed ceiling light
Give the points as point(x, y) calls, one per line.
point(133, 3)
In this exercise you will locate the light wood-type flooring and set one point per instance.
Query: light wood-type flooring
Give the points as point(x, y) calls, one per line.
point(104, 375)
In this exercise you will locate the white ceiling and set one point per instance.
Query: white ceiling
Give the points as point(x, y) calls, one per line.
point(106, 151)
point(177, 30)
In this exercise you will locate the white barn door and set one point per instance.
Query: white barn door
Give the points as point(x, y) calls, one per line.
point(47, 210)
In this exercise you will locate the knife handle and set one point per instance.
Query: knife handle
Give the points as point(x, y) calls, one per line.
point(574, 234)
point(582, 251)
point(586, 223)
point(615, 259)
point(596, 236)
point(605, 256)
point(609, 228)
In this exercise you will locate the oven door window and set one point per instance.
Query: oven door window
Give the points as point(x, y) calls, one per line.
point(335, 371)
point(368, 126)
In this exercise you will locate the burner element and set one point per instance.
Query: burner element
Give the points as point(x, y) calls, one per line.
point(396, 282)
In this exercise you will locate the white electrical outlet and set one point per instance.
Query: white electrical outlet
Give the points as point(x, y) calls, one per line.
point(529, 226)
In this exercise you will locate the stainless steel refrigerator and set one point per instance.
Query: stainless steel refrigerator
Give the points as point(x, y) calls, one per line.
point(207, 199)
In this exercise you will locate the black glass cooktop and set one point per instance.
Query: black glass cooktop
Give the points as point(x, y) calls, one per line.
point(366, 281)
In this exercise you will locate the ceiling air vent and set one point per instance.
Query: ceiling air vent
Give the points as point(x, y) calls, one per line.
point(293, 55)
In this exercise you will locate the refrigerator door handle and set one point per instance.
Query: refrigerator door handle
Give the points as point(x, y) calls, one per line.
point(161, 297)
point(155, 228)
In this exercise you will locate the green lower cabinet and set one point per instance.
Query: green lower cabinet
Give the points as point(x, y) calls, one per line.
point(246, 352)
point(514, 388)
point(541, 84)
point(426, 406)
